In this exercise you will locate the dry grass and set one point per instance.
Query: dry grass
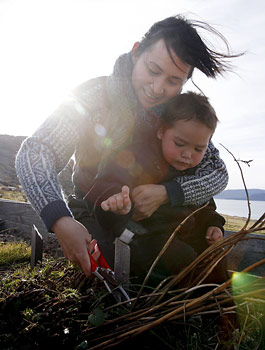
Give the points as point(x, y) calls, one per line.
point(18, 196)
point(56, 305)
point(235, 223)
point(14, 252)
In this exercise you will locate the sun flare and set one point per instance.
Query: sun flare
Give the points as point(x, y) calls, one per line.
point(45, 55)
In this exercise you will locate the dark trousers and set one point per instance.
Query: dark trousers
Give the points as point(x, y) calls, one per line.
point(146, 246)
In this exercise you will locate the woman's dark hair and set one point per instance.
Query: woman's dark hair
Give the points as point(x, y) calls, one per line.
point(181, 35)
point(189, 106)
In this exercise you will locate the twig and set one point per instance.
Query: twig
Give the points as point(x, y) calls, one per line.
point(242, 176)
point(259, 222)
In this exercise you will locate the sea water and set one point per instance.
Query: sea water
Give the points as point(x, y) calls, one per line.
point(239, 208)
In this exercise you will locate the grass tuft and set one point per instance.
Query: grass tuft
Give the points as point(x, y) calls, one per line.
point(14, 252)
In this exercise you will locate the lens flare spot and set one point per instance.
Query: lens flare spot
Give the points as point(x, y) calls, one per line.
point(79, 108)
point(107, 142)
point(100, 130)
point(136, 170)
point(125, 159)
point(237, 277)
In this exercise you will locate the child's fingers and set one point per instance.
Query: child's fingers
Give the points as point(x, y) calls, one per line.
point(214, 235)
point(125, 191)
point(116, 202)
point(119, 201)
point(209, 233)
point(105, 205)
point(217, 236)
point(113, 203)
point(127, 204)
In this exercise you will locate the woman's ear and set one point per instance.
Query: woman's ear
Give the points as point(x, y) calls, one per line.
point(134, 51)
point(160, 133)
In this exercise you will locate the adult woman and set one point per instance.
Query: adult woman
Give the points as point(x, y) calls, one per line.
point(101, 115)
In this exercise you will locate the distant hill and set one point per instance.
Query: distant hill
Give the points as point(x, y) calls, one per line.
point(254, 194)
point(9, 146)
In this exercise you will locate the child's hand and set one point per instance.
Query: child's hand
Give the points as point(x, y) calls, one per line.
point(213, 235)
point(119, 203)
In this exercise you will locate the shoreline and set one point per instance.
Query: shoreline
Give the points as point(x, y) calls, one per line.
point(236, 223)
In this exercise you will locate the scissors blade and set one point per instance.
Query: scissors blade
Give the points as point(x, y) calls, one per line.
point(112, 285)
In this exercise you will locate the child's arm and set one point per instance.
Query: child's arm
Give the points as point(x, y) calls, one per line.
point(214, 234)
point(210, 178)
point(119, 203)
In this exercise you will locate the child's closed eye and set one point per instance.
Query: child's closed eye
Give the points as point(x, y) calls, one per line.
point(179, 144)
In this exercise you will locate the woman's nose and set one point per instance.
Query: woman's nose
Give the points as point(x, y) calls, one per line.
point(158, 86)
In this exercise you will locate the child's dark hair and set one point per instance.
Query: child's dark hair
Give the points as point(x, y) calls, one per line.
point(189, 106)
point(181, 35)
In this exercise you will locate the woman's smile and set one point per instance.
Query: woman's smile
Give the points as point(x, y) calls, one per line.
point(156, 78)
point(151, 96)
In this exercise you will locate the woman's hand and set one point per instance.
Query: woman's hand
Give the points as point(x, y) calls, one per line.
point(76, 241)
point(214, 234)
point(119, 203)
point(147, 199)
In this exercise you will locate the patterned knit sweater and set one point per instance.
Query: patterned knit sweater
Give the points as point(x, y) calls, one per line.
point(44, 155)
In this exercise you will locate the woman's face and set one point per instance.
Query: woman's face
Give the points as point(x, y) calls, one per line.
point(155, 77)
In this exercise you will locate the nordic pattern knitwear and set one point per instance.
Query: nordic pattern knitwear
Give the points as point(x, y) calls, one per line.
point(210, 176)
point(43, 155)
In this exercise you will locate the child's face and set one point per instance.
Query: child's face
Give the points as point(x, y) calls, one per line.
point(184, 144)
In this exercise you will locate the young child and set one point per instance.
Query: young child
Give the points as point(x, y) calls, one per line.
point(175, 148)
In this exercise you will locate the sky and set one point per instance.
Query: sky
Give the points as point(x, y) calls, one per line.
point(50, 46)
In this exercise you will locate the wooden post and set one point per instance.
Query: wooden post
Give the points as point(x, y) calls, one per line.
point(36, 247)
point(122, 261)
point(123, 256)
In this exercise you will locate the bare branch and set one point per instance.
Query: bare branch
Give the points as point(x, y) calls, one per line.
point(249, 209)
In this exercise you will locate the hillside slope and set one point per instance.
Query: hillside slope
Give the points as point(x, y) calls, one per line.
point(9, 146)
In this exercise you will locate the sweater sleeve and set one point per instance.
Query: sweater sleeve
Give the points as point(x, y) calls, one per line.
point(43, 156)
point(211, 217)
point(210, 178)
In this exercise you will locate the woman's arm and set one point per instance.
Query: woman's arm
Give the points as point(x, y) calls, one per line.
point(39, 160)
point(41, 157)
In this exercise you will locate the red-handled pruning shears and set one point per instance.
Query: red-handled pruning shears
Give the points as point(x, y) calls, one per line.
point(101, 269)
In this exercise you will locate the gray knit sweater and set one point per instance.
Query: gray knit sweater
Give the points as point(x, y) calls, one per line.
point(43, 156)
